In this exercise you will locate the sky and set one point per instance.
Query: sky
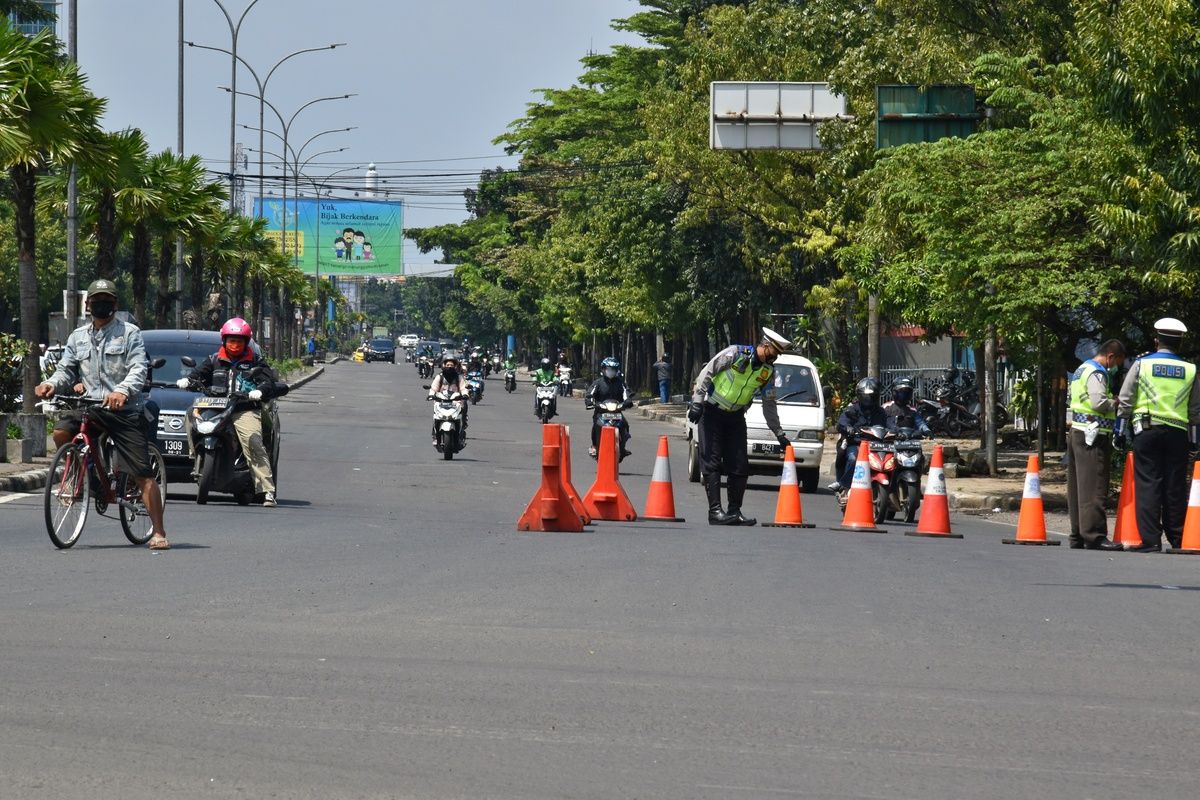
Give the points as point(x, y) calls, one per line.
point(436, 80)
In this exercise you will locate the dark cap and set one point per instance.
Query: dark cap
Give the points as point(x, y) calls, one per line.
point(102, 286)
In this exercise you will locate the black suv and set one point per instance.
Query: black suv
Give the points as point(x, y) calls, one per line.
point(173, 402)
point(380, 350)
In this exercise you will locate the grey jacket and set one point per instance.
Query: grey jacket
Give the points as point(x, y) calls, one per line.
point(662, 370)
point(111, 359)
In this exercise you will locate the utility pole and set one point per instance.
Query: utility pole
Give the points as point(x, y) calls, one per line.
point(72, 305)
point(179, 147)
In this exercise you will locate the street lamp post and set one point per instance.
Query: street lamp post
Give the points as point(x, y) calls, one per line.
point(235, 28)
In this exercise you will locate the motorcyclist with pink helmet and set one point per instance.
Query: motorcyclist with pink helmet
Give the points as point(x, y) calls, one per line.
point(245, 372)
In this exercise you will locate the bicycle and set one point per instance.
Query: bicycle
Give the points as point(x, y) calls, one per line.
point(76, 475)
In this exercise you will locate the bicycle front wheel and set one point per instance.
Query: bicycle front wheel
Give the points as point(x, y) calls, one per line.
point(67, 495)
point(135, 519)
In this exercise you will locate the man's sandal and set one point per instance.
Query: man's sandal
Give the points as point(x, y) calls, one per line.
point(159, 542)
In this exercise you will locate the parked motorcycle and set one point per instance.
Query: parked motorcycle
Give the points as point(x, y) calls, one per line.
point(546, 401)
point(220, 465)
point(448, 433)
point(475, 386)
point(564, 382)
point(510, 381)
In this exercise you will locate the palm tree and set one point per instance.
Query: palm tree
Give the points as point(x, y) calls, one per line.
point(47, 116)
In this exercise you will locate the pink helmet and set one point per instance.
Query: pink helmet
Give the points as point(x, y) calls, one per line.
point(237, 327)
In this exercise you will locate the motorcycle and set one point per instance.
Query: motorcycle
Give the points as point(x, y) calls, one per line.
point(905, 494)
point(220, 464)
point(474, 386)
point(448, 431)
point(881, 464)
point(497, 364)
point(425, 367)
point(564, 382)
point(612, 415)
point(546, 403)
point(510, 381)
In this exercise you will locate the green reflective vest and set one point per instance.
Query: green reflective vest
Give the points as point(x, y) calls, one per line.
point(1082, 411)
point(1164, 387)
point(734, 387)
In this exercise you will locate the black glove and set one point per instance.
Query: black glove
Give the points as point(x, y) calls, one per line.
point(695, 410)
point(783, 441)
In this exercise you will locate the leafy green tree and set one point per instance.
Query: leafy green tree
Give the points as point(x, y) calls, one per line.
point(47, 116)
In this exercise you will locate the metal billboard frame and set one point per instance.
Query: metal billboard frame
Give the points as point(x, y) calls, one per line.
point(770, 115)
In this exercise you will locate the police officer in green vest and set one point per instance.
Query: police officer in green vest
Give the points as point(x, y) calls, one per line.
point(724, 389)
point(1160, 403)
point(1092, 417)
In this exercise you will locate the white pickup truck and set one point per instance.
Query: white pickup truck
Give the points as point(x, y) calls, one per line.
point(801, 406)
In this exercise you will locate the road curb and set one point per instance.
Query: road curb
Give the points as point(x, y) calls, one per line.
point(312, 376)
point(24, 481)
point(1009, 501)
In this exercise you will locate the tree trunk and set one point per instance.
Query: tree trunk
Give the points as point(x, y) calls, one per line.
point(106, 236)
point(988, 398)
point(197, 283)
point(141, 270)
point(239, 292)
point(256, 304)
point(165, 296)
point(24, 179)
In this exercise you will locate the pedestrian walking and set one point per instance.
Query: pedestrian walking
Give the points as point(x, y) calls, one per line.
point(1093, 415)
point(662, 369)
point(1160, 404)
point(723, 391)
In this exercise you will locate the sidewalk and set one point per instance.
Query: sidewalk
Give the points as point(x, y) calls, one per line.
point(32, 477)
point(966, 493)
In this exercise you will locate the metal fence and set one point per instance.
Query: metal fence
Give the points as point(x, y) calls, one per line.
point(926, 381)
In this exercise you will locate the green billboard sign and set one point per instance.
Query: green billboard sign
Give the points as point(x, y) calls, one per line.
point(908, 114)
point(340, 237)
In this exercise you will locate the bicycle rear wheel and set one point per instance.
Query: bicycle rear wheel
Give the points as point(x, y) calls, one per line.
point(135, 519)
point(67, 495)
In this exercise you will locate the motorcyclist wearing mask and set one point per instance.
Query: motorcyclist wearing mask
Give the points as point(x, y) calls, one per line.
point(609, 386)
point(452, 380)
point(106, 360)
point(865, 412)
point(246, 373)
point(901, 413)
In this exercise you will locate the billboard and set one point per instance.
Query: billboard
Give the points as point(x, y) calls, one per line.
point(341, 237)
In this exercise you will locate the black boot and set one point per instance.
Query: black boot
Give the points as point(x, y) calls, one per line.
point(716, 514)
point(737, 491)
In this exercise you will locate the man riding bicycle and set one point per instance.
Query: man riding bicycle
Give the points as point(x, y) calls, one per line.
point(106, 361)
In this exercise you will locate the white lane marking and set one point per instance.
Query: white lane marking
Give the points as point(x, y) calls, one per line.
point(1011, 525)
point(17, 496)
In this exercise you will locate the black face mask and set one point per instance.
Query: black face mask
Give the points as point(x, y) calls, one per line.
point(449, 373)
point(103, 309)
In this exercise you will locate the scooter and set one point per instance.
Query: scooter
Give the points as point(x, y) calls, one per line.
point(497, 363)
point(220, 464)
point(612, 415)
point(425, 367)
point(564, 382)
point(881, 463)
point(448, 434)
point(905, 494)
point(408, 356)
point(474, 386)
point(546, 404)
point(510, 381)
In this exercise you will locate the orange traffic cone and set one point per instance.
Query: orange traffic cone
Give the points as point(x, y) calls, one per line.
point(860, 508)
point(1190, 546)
point(935, 507)
point(607, 499)
point(660, 502)
point(1125, 531)
point(550, 510)
point(1031, 524)
point(788, 512)
point(567, 483)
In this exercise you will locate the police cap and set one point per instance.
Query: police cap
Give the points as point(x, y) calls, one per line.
point(1169, 326)
point(775, 340)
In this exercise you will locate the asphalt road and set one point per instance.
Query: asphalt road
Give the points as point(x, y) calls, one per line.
point(386, 632)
